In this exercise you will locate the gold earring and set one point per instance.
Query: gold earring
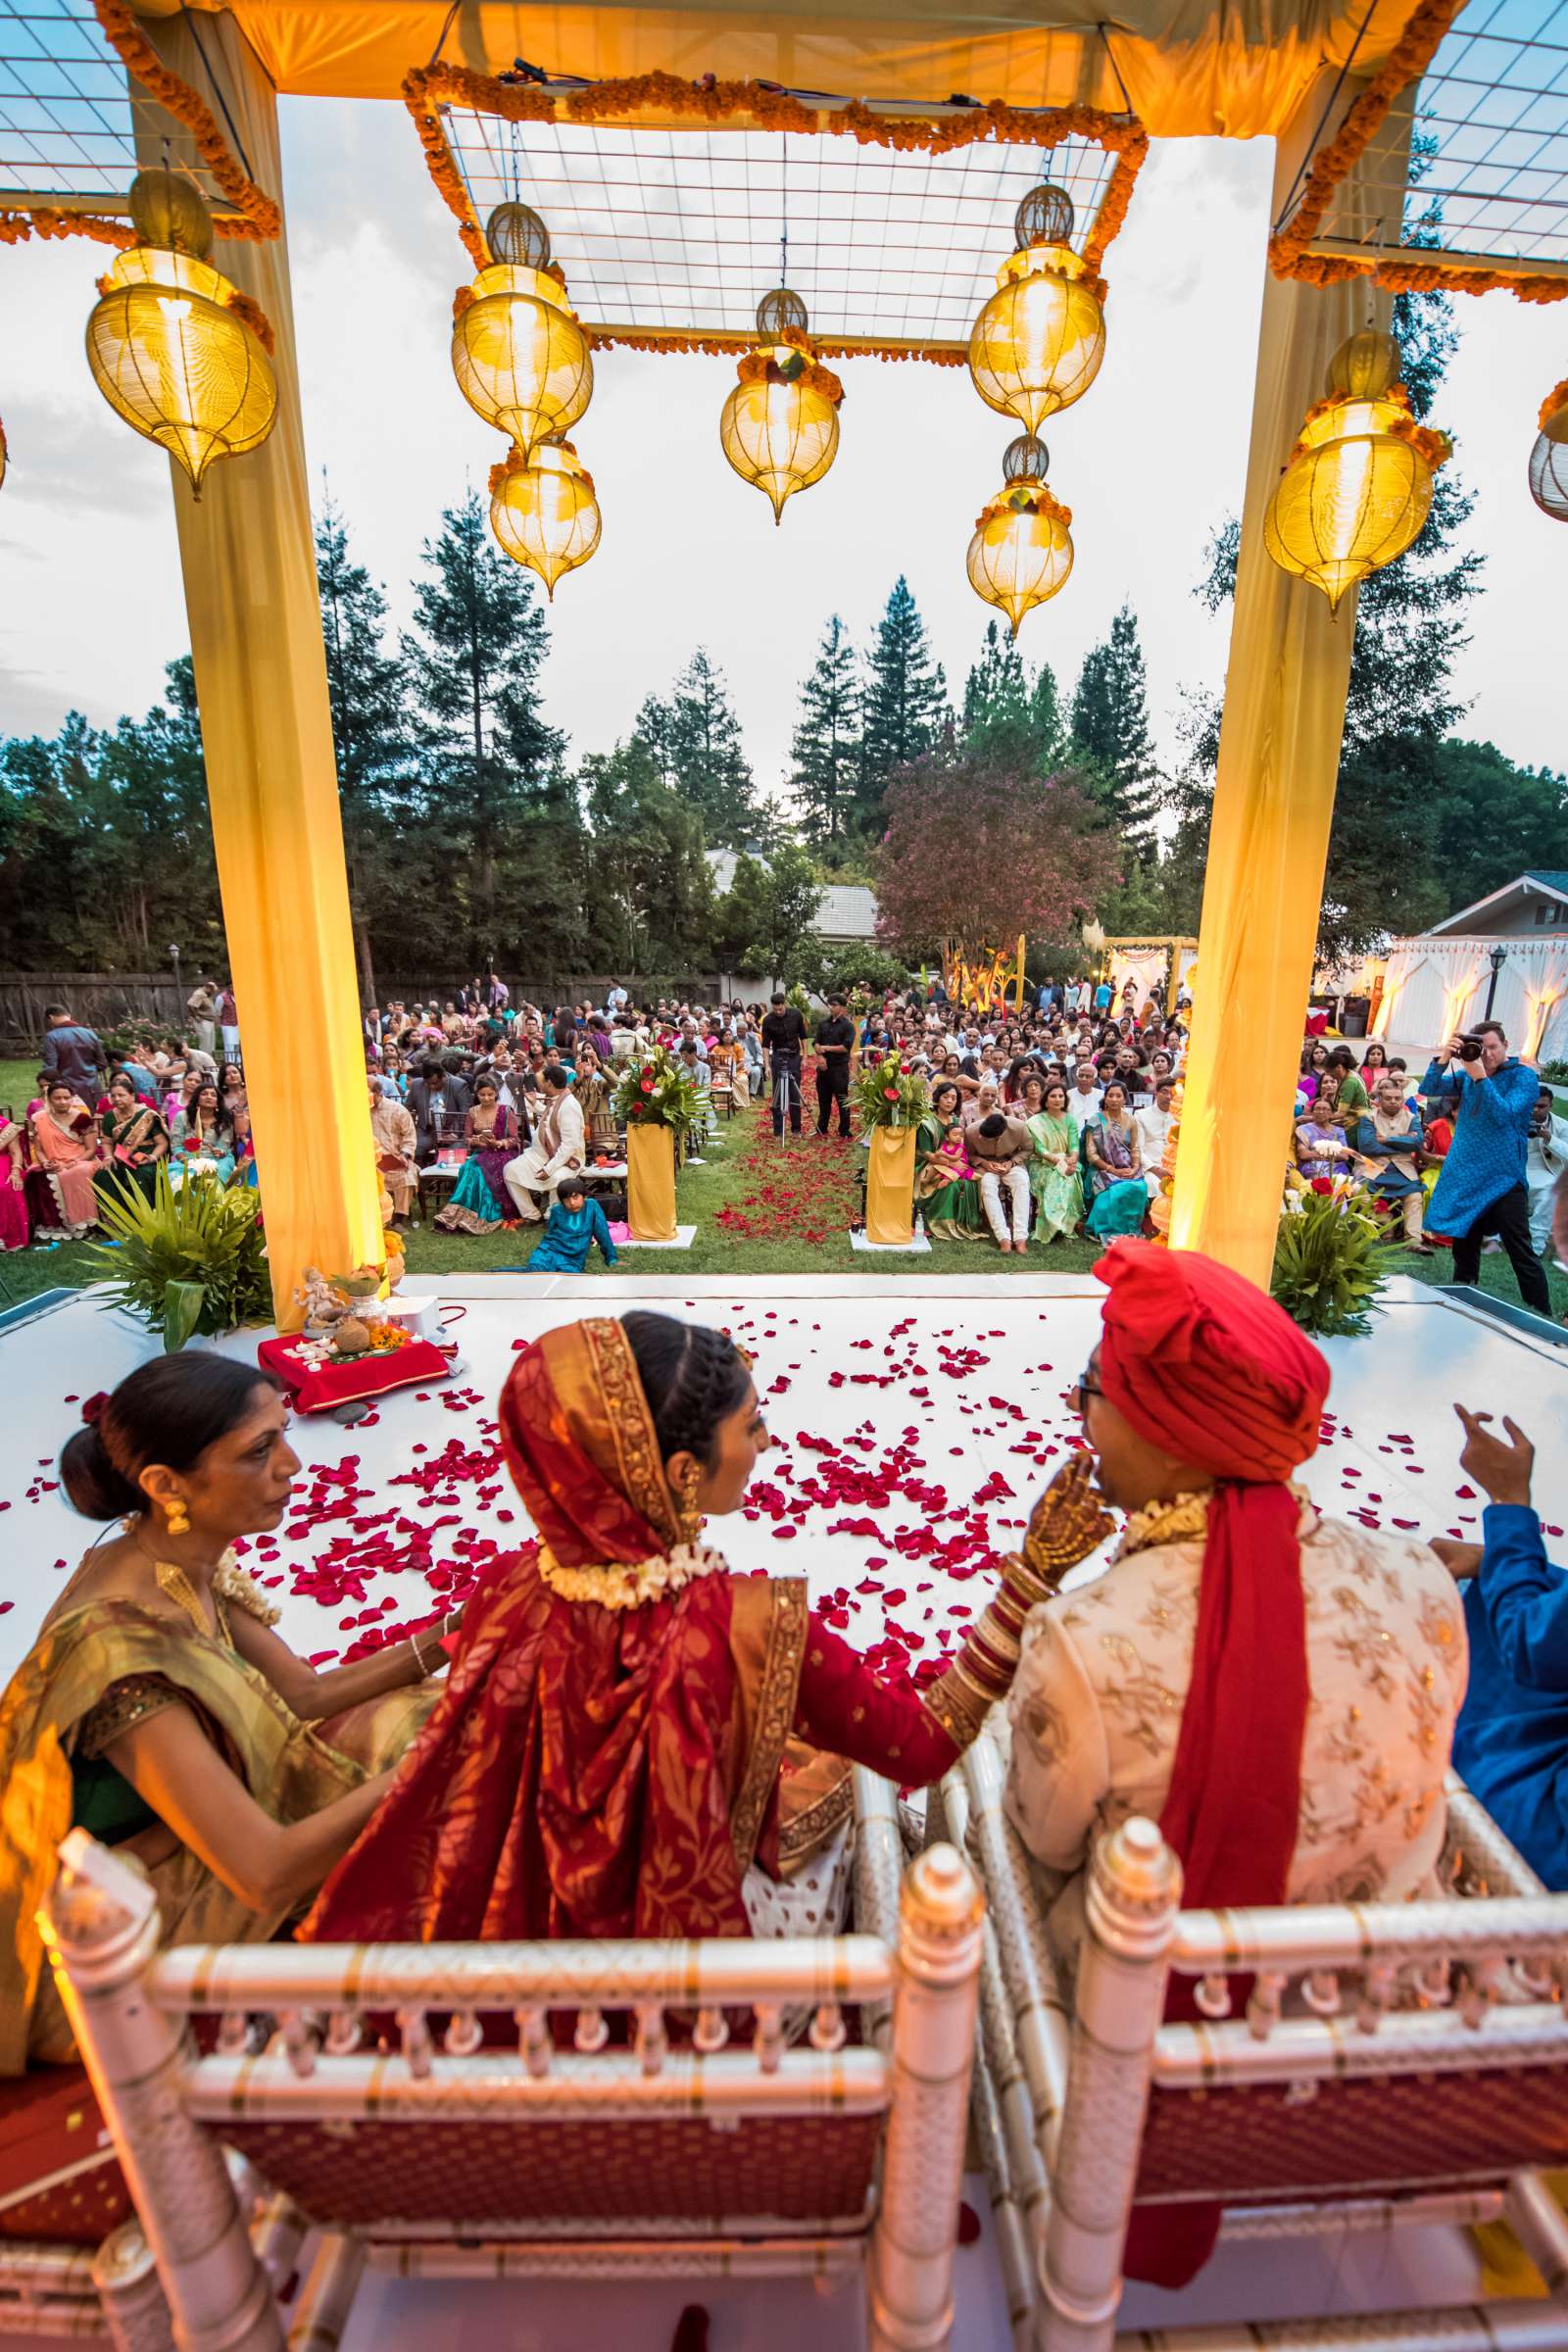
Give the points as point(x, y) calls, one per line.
point(688, 1518)
point(177, 1518)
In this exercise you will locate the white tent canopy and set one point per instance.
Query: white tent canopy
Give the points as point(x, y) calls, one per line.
point(1432, 986)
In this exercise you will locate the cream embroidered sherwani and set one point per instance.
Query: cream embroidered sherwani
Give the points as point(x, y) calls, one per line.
point(1097, 1705)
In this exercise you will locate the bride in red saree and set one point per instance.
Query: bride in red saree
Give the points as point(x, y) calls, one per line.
point(628, 1730)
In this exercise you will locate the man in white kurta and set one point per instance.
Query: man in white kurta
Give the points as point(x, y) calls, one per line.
point(558, 1145)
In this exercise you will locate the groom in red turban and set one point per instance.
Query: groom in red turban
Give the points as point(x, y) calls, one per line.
point(1219, 1644)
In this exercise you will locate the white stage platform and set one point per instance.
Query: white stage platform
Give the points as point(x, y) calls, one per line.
point(915, 1419)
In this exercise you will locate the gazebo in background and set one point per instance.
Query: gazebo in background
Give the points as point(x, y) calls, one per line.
point(654, 98)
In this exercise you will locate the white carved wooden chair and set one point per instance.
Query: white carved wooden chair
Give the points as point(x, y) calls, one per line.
point(588, 2109)
point(1375, 2078)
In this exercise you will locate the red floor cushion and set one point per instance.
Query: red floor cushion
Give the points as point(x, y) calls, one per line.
point(60, 2178)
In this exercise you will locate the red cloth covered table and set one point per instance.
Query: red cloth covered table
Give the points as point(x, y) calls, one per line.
point(318, 1388)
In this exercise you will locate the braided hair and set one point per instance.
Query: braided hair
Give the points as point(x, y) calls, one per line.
point(693, 1378)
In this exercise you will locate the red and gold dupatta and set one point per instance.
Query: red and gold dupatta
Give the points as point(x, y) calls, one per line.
point(588, 1771)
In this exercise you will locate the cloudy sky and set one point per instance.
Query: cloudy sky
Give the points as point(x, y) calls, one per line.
point(1150, 461)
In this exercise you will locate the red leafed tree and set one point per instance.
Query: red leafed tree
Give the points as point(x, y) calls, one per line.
point(976, 851)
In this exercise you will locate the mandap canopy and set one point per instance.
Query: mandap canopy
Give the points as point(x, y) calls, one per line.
point(1335, 82)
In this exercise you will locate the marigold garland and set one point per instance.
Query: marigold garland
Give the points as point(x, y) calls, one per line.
point(426, 88)
point(724, 344)
point(515, 462)
point(1288, 256)
point(758, 369)
point(1025, 498)
point(1556, 398)
point(261, 219)
point(45, 222)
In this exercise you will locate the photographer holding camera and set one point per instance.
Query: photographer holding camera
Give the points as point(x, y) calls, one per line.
point(1482, 1188)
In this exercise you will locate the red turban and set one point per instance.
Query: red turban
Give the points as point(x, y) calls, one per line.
point(1205, 1365)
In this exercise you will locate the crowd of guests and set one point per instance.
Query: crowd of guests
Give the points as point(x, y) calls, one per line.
point(99, 1127)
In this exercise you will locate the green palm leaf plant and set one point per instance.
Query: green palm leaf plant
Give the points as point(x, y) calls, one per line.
point(1328, 1268)
point(889, 1094)
point(188, 1262)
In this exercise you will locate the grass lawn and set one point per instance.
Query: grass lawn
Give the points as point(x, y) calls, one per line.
point(793, 1206)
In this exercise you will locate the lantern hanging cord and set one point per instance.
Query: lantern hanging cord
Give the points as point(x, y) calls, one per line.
point(784, 212)
point(1105, 36)
point(190, 17)
point(1329, 105)
point(441, 38)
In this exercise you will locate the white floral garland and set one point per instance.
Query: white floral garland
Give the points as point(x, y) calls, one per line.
point(616, 1585)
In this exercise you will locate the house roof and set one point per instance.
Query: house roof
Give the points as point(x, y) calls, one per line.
point(846, 910)
point(1541, 882)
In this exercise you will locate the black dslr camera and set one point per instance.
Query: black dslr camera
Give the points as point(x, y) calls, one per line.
point(1470, 1047)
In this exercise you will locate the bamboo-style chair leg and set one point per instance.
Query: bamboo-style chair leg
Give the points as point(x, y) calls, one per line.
point(101, 1927)
point(1542, 2228)
point(909, 2271)
point(328, 2294)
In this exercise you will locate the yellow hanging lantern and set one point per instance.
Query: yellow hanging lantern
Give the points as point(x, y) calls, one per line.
point(1357, 486)
point(543, 510)
point(1036, 345)
point(174, 347)
point(780, 425)
point(1021, 552)
point(1549, 460)
point(517, 352)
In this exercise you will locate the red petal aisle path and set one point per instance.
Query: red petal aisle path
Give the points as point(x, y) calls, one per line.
point(803, 1188)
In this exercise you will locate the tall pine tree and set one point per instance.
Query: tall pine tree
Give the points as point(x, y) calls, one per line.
point(503, 839)
point(1111, 734)
point(904, 702)
point(653, 886)
point(696, 739)
point(827, 745)
point(365, 686)
point(1000, 702)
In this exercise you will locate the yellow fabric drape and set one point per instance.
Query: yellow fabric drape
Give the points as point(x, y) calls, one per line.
point(261, 682)
point(1190, 70)
point(1279, 754)
point(651, 1184)
point(890, 1186)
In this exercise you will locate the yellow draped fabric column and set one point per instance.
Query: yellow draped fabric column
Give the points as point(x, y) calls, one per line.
point(1279, 755)
point(261, 682)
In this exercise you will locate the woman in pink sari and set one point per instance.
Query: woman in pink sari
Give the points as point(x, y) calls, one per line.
point(66, 1142)
point(15, 1227)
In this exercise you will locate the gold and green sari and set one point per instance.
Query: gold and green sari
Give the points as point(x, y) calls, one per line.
point(92, 1673)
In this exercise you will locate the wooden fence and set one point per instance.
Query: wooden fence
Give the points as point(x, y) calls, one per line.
point(101, 999)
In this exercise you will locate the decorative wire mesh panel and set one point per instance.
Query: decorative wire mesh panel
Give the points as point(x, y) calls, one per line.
point(69, 113)
point(1488, 168)
point(681, 230)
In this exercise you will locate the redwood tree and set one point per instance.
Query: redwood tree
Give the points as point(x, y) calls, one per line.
point(976, 851)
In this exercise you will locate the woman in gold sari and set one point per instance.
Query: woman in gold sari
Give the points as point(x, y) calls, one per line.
point(159, 1710)
point(632, 1741)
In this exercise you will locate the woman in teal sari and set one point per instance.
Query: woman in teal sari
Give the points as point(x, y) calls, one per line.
point(1054, 1171)
point(945, 1186)
point(1118, 1197)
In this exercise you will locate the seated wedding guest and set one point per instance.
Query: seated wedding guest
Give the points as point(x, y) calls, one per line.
point(591, 1088)
point(559, 1144)
point(480, 1203)
point(1001, 1150)
point(1321, 1150)
point(1276, 1689)
point(1154, 1123)
point(439, 1103)
point(1511, 1746)
point(206, 1132)
point(135, 1138)
point(946, 1191)
point(158, 1710)
point(983, 1104)
point(1054, 1172)
point(1113, 1188)
point(574, 1224)
point(392, 1133)
point(1387, 1140)
point(16, 1226)
point(67, 1147)
point(610, 1756)
point(178, 1092)
point(1084, 1095)
point(1546, 1157)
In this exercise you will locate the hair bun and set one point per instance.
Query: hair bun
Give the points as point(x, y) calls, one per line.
point(92, 1483)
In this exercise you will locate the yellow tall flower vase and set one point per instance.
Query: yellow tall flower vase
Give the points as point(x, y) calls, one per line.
point(651, 1183)
point(889, 1188)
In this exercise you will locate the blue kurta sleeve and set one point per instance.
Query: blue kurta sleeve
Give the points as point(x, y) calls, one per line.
point(1502, 1099)
point(600, 1232)
point(1525, 1598)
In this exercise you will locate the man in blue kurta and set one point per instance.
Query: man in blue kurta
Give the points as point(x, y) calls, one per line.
point(1512, 1743)
point(1482, 1188)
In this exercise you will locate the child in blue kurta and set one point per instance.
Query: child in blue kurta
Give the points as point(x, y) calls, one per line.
point(573, 1227)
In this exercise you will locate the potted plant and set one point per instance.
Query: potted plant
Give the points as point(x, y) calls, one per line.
point(892, 1100)
point(659, 1105)
point(1328, 1269)
point(187, 1262)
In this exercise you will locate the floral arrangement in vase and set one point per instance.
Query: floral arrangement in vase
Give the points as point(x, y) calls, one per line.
point(889, 1094)
point(655, 1091)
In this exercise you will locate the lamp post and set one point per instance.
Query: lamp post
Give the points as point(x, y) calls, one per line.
point(1498, 958)
point(179, 1002)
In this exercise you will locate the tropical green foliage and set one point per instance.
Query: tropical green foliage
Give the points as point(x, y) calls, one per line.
point(1328, 1268)
point(187, 1262)
point(657, 1092)
point(888, 1095)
